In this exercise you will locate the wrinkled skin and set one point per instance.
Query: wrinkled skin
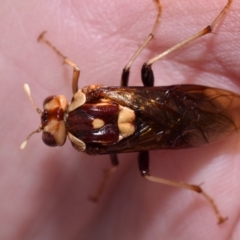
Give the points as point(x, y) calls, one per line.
point(44, 191)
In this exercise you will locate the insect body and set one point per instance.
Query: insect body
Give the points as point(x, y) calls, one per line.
point(111, 120)
point(102, 120)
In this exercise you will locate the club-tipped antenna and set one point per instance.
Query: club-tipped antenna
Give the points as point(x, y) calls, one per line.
point(24, 144)
point(28, 91)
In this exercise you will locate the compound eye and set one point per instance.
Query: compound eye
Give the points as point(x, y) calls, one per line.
point(47, 100)
point(48, 139)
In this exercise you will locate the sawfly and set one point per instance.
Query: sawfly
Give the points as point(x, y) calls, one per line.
point(110, 120)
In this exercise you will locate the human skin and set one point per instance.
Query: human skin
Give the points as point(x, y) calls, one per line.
point(44, 191)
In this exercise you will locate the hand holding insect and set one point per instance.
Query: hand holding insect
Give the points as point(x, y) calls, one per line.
point(159, 155)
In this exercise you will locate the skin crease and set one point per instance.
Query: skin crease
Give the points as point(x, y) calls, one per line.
point(44, 190)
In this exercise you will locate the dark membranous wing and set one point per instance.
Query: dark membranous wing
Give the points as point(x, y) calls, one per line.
point(174, 117)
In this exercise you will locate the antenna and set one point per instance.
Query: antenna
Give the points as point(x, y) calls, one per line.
point(28, 91)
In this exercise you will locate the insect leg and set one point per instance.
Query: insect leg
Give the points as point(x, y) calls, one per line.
point(143, 158)
point(148, 79)
point(124, 83)
point(191, 187)
point(76, 70)
point(147, 73)
point(107, 173)
point(143, 163)
point(126, 70)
